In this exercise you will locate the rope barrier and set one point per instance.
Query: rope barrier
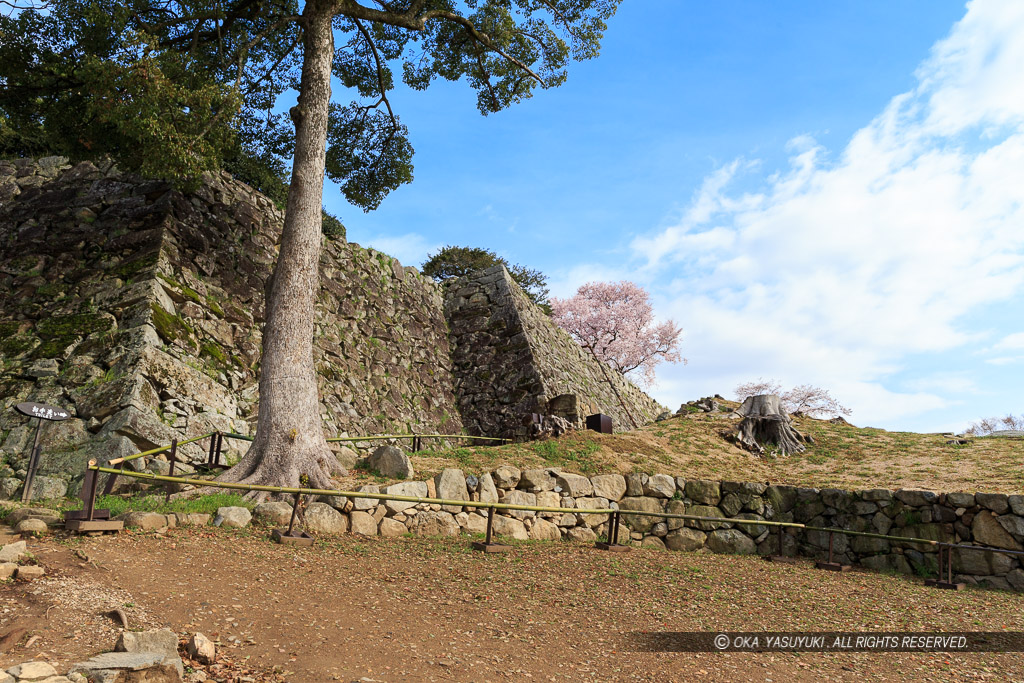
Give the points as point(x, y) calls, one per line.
point(614, 513)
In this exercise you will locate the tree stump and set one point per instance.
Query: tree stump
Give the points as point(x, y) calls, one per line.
point(765, 423)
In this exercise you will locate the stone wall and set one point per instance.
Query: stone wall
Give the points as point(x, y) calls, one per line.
point(510, 359)
point(993, 520)
point(141, 307)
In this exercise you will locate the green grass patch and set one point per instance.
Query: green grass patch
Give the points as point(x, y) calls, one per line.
point(155, 503)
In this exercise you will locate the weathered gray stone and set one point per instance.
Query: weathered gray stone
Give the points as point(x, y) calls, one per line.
point(1016, 579)
point(1016, 504)
point(581, 534)
point(746, 489)
point(988, 531)
point(415, 489)
point(29, 572)
point(391, 462)
point(518, 497)
point(430, 523)
point(887, 563)
point(31, 526)
point(506, 477)
point(592, 519)
point(1013, 524)
point(201, 649)
point(685, 539)
point(147, 521)
point(232, 517)
point(163, 641)
point(652, 542)
point(782, 498)
point(321, 518)
point(7, 570)
point(48, 488)
point(640, 523)
point(192, 518)
point(390, 528)
point(451, 485)
point(660, 486)
point(836, 499)
point(610, 486)
point(361, 522)
point(509, 526)
point(488, 491)
point(980, 563)
point(960, 500)
point(703, 491)
point(364, 504)
point(539, 479)
point(544, 530)
point(704, 511)
point(731, 541)
point(574, 485)
point(32, 671)
point(866, 545)
point(45, 514)
point(916, 498)
point(635, 483)
point(730, 504)
point(752, 530)
point(996, 502)
point(10, 488)
point(273, 513)
point(159, 668)
point(877, 495)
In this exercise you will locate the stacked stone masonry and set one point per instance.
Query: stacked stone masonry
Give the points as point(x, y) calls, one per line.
point(141, 307)
point(510, 360)
point(990, 520)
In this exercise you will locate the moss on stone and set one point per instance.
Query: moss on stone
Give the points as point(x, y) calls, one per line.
point(168, 326)
point(8, 327)
point(214, 352)
point(16, 344)
point(127, 270)
point(212, 304)
point(191, 295)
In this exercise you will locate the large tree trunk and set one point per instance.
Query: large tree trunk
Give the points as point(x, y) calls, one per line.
point(289, 440)
point(765, 422)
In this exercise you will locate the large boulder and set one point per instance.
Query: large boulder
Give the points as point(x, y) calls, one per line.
point(544, 530)
point(273, 513)
point(321, 518)
point(429, 523)
point(539, 479)
point(45, 514)
point(506, 477)
point(148, 521)
point(164, 641)
point(151, 667)
point(232, 517)
point(685, 539)
point(660, 486)
point(363, 523)
point(641, 523)
point(414, 489)
point(391, 462)
point(703, 491)
point(574, 485)
point(518, 497)
point(451, 485)
point(488, 491)
point(987, 530)
point(610, 486)
point(48, 488)
point(731, 541)
point(508, 526)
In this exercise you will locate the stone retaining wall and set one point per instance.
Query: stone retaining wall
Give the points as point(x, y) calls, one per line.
point(993, 520)
point(510, 359)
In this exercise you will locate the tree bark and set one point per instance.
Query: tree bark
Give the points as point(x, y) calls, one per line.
point(289, 441)
point(766, 423)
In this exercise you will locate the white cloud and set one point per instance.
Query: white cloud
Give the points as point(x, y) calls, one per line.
point(411, 248)
point(1010, 341)
point(838, 271)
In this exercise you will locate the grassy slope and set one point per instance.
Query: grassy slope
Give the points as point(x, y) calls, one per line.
point(700, 446)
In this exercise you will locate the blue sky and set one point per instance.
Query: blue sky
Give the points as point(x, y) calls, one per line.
point(824, 193)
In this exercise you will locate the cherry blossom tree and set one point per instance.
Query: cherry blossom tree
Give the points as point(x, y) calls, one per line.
point(615, 322)
point(803, 399)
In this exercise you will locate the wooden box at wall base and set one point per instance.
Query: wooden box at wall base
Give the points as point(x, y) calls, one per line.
point(600, 423)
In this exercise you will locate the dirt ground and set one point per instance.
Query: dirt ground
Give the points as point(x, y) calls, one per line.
point(412, 609)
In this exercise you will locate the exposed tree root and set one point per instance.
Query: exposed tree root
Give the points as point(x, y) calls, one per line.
point(766, 423)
